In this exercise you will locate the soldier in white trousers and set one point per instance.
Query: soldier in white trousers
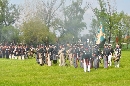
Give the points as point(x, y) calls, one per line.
point(86, 59)
point(110, 55)
point(117, 56)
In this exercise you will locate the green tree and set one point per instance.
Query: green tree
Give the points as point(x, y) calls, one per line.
point(46, 10)
point(73, 20)
point(10, 34)
point(9, 13)
point(126, 29)
point(110, 18)
point(35, 32)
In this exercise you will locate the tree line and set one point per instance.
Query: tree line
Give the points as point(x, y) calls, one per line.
point(43, 21)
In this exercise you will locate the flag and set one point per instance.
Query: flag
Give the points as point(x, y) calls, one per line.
point(100, 34)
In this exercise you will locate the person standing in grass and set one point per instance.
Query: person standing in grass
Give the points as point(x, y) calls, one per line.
point(84, 57)
point(11, 52)
point(55, 53)
point(105, 56)
point(22, 52)
point(61, 56)
point(76, 54)
point(19, 52)
point(70, 55)
point(117, 55)
point(87, 58)
point(92, 56)
point(110, 55)
point(44, 54)
point(96, 58)
point(0, 51)
point(40, 55)
point(7, 52)
point(37, 56)
point(3, 51)
point(81, 55)
point(15, 52)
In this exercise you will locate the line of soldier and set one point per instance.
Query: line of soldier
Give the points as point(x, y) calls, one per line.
point(15, 51)
point(45, 54)
point(86, 57)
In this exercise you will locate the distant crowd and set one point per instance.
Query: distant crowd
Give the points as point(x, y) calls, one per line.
point(77, 55)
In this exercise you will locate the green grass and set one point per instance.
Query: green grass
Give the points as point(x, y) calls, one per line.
point(29, 73)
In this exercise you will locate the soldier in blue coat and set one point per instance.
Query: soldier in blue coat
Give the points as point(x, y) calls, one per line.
point(7, 52)
point(81, 55)
point(43, 54)
point(105, 56)
point(76, 54)
point(95, 57)
point(55, 53)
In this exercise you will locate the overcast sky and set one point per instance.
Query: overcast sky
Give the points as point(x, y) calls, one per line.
point(122, 5)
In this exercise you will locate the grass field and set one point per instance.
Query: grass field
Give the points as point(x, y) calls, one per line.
point(29, 73)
